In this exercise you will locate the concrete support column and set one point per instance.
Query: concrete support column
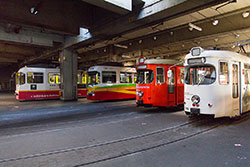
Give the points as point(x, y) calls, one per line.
point(68, 70)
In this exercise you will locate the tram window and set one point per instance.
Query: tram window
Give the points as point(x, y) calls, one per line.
point(171, 83)
point(145, 76)
point(54, 78)
point(93, 78)
point(34, 77)
point(20, 78)
point(224, 73)
point(125, 77)
point(182, 75)
point(235, 81)
point(247, 73)
point(200, 75)
point(81, 78)
point(247, 77)
point(160, 77)
point(135, 77)
point(108, 77)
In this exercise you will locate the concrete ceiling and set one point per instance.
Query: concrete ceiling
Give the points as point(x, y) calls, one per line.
point(25, 37)
point(173, 38)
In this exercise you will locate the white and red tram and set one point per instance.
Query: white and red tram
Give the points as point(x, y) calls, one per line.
point(33, 83)
point(216, 83)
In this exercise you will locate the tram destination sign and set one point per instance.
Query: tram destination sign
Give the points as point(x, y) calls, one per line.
point(142, 67)
point(197, 60)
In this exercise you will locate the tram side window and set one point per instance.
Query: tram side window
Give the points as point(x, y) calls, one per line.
point(108, 77)
point(247, 74)
point(247, 77)
point(34, 77)
point(135, 77)
point(160, 77)
point(171, 83)
point(224, 73)
point(20, 78)
point(54, 78)
point(125, 77)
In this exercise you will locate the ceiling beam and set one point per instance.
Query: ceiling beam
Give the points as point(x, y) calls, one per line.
point(14, 56)
point(8, 60)
point(151, 13)
point(60, 16)
point(229, 23)
point(120, 7)
point(16, 49)
point(30, 37)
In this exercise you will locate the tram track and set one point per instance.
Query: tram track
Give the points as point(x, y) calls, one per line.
point(108, 150)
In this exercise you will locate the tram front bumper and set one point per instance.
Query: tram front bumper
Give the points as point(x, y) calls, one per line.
point(195, 111)
point(139, 102)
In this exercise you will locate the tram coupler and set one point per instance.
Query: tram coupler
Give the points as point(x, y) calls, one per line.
point(194, 111)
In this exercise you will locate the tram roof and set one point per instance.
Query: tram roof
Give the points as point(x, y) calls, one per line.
point(161, 61)
point(225, 54)
point(106, 68)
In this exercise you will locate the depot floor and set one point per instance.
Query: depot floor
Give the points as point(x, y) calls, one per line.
point(116, 133)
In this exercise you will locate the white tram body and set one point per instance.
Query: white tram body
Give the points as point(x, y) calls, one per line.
point(216, 83)
point(37, 83)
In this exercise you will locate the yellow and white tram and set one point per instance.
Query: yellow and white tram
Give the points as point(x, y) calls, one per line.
point(106, 82)
point(216, 83)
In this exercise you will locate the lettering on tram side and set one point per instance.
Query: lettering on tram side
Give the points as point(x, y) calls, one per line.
point(51, 95)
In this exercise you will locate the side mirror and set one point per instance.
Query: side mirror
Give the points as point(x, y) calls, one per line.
point(169, 73)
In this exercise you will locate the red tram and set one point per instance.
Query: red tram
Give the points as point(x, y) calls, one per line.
point(160, 83)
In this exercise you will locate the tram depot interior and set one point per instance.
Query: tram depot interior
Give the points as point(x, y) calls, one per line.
point(75, 35)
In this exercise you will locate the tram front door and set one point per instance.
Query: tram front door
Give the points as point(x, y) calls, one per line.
point(171, 91)
point(236, 96)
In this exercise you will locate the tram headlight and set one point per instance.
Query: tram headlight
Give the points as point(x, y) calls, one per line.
point(140, 94)
point(195, 99)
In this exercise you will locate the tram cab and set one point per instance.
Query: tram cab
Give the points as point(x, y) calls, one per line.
point(37, 83)
point(111, 83)
point(160, 82)
point(216, 83)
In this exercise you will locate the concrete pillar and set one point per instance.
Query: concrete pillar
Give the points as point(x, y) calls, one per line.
point(68, 70)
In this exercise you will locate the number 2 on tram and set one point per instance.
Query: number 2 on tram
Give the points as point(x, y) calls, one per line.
point(160, 83)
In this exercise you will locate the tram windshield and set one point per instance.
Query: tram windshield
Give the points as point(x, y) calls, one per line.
point(145, 76)
point(93, 78)
point(20, 78)
point(200, 75)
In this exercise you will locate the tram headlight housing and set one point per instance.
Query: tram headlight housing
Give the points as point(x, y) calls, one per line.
point(140, 94)
point(195, 99)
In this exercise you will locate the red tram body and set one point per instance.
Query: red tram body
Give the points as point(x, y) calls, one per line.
point(160, 83)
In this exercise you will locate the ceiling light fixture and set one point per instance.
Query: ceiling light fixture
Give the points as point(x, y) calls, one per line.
point(195, 27)
point(215, 22)
point(121, 46)
point(237, 35)
point(245, 14)
point(33, 11)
